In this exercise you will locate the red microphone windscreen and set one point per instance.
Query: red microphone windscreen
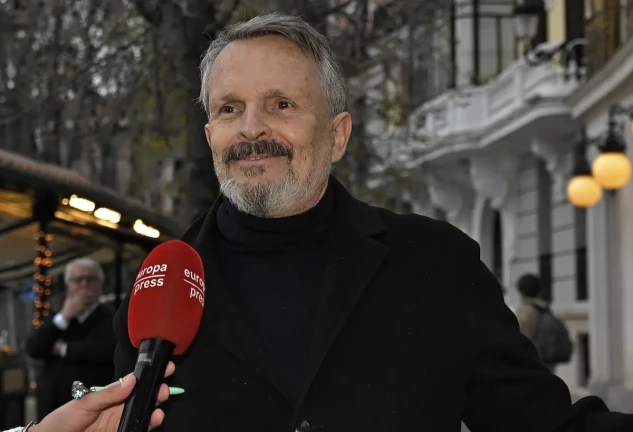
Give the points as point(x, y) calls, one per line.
point(167, 299)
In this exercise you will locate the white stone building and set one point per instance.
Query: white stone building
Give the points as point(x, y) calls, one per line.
point(497, 160)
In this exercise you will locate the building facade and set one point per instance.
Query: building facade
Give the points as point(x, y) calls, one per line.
point(498, 153)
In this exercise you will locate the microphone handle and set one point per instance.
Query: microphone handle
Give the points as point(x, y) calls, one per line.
point(152, 360)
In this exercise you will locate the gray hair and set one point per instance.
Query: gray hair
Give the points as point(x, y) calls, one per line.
point(86, 263)
point(309, 40)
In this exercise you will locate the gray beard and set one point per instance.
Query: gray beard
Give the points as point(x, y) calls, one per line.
point(272, 199)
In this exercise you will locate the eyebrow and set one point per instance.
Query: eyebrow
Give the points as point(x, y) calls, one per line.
point(231, 96)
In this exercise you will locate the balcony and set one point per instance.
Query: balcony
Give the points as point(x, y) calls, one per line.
point(520, 102)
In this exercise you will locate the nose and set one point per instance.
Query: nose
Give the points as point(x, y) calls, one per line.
point(254, 125)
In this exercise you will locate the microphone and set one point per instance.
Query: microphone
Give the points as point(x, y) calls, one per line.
point(164, 314)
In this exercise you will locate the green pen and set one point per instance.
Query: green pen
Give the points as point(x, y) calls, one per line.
point(172, 390)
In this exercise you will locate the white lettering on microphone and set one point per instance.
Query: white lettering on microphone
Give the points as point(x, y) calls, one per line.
point(196, 283)
point(150, 277)
point(193, 277)
point(151, 270)
point(194, 293)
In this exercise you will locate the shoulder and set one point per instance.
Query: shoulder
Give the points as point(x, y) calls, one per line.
point(425, 232)
point(105, 311)
point(191, 234)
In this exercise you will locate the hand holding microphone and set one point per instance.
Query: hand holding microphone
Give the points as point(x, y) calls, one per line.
point(100, 411)
point(164, 314)
point(165, 310)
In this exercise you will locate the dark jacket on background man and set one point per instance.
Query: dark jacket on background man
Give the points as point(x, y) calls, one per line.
point(88, 357)
point(412, 334)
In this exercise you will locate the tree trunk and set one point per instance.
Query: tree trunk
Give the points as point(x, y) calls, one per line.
point(202, 185)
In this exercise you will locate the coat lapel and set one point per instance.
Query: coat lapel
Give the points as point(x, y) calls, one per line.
point(353, 257)
point(222, 320)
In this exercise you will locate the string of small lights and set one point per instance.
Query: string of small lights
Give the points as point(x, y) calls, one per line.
point(43, 281)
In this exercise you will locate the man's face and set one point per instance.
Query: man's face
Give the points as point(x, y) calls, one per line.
point(270, 132)
point(84, 281)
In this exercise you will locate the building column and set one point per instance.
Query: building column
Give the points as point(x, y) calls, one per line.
point(483, 229)
point(605, 293)
point(625, 207)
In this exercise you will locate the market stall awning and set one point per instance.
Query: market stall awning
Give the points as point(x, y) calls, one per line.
point(86, 218)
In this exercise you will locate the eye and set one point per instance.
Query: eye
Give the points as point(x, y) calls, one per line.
point(282, 105)
point(227, 109)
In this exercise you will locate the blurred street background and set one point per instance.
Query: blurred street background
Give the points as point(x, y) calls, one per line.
point(509, 119)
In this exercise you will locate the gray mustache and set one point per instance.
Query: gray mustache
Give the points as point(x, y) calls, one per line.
point(254, 148)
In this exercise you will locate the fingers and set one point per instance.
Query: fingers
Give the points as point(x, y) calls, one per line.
point(117, 392)
point(171, 367)
point(156, 419)
point(113, 394)
point(163, 394)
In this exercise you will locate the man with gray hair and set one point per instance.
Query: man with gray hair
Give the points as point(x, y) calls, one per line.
point(77, 344)
point(324, 313)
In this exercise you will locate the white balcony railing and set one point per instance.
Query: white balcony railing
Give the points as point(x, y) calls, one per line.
point(474, 110)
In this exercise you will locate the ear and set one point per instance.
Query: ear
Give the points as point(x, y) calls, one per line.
point(341, 129)
point(207, 133)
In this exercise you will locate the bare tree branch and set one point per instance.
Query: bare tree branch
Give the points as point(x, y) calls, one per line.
point(83, 76)
point(224, 18)
point(150, 12)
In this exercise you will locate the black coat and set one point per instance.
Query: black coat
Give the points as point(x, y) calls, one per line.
point(89, 352)
point(413, 335)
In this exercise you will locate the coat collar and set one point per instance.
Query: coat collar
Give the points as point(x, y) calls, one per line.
point(353, 257)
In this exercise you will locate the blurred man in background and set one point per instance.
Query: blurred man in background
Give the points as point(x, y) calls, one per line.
point(527, 312)
point(547, 332)
point(76, 344)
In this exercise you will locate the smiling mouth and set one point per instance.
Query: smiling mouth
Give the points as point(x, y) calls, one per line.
point(255, 158)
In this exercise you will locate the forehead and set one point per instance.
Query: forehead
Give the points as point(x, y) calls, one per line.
point(262, 64)
point(79, 269)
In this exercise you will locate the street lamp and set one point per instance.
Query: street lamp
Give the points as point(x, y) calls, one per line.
point(526, 21)
point(583, 190)
point(611, 170)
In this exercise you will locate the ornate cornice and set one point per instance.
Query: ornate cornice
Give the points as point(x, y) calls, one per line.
point(495, 178)
point(558, 162)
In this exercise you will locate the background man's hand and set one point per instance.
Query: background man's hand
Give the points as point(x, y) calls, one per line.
point(74, 305)
point(57, 348)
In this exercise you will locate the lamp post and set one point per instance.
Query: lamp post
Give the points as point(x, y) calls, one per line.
point(583, 190)
point(611, 170)
point(526, 21)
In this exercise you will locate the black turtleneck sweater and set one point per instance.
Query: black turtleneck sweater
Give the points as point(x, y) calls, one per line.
point(274, 269)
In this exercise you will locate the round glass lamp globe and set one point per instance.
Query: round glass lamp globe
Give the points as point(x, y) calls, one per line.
point(612, 170)
point(584, 191)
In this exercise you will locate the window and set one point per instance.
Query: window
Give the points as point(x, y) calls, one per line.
point(580, 228)
point(584, 365)
point(602, 30)
point(497, 245)
point(544, 221)
point(627, 19)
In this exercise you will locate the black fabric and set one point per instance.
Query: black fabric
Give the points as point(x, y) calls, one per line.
point(274, 269)
point(412, 334)
point(89, 353)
